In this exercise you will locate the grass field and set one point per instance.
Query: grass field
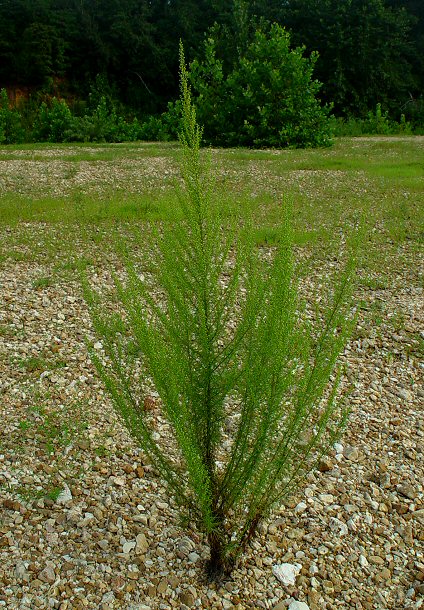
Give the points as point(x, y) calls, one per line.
point(88, 189)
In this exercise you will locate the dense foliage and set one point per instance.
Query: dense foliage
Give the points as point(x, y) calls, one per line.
point(369, 52)
point(267, 99)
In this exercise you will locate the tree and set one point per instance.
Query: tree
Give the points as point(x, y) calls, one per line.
point(364, 50)
point(268, 98)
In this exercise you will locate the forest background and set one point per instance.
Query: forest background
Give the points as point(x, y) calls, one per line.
point(107, 70)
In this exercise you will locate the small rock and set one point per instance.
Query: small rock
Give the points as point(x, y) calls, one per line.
point(162, 586)
point(149, 403)
point(351, 454)
point(326, 464)
point(401, 509)
point(419, 515)
point(407, 491)
point(139, 471)
point(36, 583)
point(301, 507)
point(187, 599)
point(88, 518)
point(286, 572)
point(65, 496)
point(74, 514)
point(326, 498)
point(314, 600)
point(108, 598)
point(185, 546)
point(298, 606)
point(21, 572)
point(11, 505)
point(193, 557)
point(141, 544)
point(328, 586)
point(47, 575)
point(338, 526)
point(128, 547)
point(103, 544)
point(404, 394)
point(376, 560)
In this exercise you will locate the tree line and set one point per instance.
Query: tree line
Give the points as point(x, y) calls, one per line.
point(365, 52)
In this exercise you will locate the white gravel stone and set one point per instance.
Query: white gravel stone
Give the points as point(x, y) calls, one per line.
point(65, 496)
point(338, 526)
point(298, 606)
point(286, 573)
point(128, 547)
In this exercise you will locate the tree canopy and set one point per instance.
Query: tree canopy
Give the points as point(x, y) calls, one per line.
point(369, 51)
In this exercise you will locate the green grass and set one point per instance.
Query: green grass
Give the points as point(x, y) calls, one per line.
point(376, 180)
point(88, 151)
point(43, 282)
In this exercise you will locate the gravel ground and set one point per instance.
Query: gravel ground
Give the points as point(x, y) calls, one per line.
point(85, 522)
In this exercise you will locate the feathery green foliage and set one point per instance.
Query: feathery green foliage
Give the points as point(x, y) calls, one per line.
point(242, 373)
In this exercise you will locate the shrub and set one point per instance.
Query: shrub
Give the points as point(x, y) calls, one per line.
point(414, 111)
point(54, 122)
point(376, 123)
point(153, 129)
point(11, 129)
point(228, 347)
point(268, 99)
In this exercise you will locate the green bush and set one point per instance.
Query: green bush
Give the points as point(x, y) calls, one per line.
point(268, 99)
point(414, 112)
point(153, 129)
point(11, 129)
point(376, 122)
point(54, 122)
point(246, 380)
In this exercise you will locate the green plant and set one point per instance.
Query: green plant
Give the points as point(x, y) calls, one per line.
point(376, 123)
point(24, 425)
point(42, 282)
point(33, 364)
point(269, 98)
point(228, 347)
point(11, 130)
point(54, 122)
point(153, 129)
point(54, 430)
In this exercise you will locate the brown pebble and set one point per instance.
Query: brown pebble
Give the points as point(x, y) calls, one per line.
point(149, 403)
point(325, 464)
point(186, 598)
point(139, 472)
point(11, 505)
